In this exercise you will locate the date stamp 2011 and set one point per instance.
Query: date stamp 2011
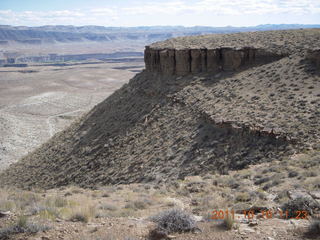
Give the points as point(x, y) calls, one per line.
point(250, 214)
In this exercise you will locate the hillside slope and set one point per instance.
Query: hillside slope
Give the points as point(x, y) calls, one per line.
point(164, 126)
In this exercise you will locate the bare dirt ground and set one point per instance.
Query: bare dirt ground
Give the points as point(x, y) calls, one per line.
point(38, 101)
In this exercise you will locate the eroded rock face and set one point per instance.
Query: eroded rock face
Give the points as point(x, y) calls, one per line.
point(182, 62)
point(168, 61)
point(196, 60)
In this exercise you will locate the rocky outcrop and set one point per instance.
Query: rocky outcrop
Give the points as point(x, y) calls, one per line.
point(191, 61)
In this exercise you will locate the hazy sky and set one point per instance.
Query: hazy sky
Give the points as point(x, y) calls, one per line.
point(156, 12)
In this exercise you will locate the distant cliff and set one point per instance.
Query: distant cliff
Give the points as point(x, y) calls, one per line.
point(61, 33)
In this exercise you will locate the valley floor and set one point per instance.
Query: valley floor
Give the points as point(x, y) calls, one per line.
point(40, 100)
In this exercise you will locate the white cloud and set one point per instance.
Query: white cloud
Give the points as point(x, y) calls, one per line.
point(161, 9)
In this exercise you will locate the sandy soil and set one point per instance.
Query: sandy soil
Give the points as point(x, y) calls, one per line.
point(38, 101)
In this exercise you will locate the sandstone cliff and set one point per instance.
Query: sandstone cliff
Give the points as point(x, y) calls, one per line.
point(185, 61)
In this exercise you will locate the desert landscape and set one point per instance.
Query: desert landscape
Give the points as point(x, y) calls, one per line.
point(201, 137)
point(39, 100)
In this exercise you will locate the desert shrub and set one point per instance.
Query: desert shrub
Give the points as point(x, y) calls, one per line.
point(310, 173)
point(309, 162)
point(83, 214)
point(24, 199)
point(243, 197)
point(36, 227)
point(67, 194)
point(292, 174)
point(36, 209)
point(49, 213)
point(142, 204)
point(22, 221)
point(261, 194)
point(79, 217)
point(57, 201)
point(271, 184)
point(7, 205)
point(195, 187)
point(105, 195)
point(282, 197)
point(108, 207)
point(174, 220)
point(139, 204)
point(76, 190)
point(258, 180)
point(43, 210)
point(233, 183)
point(299, 204)
point(244, 174)
point(312, 183)
point(228, 222)
point(275, 168)
point(22, 226)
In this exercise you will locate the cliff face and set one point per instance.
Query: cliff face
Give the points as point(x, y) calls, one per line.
point(182, 62)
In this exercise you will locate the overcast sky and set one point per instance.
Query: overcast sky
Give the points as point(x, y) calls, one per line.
point(156, 12)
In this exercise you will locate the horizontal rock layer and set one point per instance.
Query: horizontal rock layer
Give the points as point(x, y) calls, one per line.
point(188, 61)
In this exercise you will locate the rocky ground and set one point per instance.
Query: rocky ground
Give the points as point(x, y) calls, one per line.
point(124, 211)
